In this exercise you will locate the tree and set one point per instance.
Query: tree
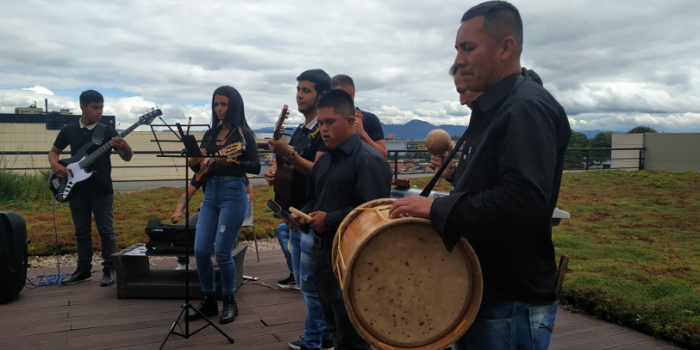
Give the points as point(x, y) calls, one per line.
point(642, 129)
point(601, 140)
point(576, 159)
point(456, 138)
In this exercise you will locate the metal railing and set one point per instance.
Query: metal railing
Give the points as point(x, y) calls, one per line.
point(406, 162)
point(596, 158)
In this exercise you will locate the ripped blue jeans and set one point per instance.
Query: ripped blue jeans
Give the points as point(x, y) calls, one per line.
point(302, 254)
point(222, 213)
point(510, 325)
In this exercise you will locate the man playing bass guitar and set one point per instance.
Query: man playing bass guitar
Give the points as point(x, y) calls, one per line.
point(302, 151)
point(95, 195)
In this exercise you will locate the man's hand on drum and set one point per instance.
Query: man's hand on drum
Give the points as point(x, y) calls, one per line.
point(317, 222)
point(415, 206)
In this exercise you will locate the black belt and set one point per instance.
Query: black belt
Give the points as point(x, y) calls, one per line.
point(323, 241)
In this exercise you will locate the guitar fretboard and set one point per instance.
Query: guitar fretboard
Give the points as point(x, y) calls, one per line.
point(108, 146)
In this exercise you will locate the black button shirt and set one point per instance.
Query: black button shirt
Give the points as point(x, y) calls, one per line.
point(503, 205)
point(307, 142)
point(343, 178)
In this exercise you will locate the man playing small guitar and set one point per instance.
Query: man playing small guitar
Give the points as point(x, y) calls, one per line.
point(302, 151)
point(95, 195)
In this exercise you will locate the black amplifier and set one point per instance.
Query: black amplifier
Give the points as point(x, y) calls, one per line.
point(169, 235)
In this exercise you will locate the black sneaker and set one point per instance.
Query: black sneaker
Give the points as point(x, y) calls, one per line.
point(108, 278)
point(298, 344)
point(288, 282)
point(76, 277)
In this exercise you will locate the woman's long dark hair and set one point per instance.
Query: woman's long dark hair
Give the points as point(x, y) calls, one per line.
point(235, 114)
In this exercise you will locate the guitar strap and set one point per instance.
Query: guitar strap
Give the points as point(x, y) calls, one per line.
point(301, 146)
point(98, 134)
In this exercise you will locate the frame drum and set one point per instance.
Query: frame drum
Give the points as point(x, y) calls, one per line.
point(401, 287)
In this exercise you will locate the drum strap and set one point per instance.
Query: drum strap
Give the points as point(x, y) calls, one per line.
point(436, 177)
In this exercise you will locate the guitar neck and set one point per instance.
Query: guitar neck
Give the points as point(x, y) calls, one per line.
point(106, 147)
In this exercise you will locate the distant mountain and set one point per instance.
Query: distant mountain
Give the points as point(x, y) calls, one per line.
point(591, 133)
point(418, 129)
point(415, 129)
point(267, 130)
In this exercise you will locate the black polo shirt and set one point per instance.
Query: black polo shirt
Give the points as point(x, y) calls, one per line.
point(504, 203)
point(372, 125)
point(343, 178)
point(100, 182)
point(314, 144)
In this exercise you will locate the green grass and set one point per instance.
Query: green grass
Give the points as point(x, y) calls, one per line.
point(634, 248)
point(632, 239)
point(17, 186)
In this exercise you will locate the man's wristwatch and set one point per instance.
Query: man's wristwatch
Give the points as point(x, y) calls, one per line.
point(291, 156)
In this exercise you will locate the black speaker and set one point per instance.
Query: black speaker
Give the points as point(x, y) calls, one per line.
point(13, 255)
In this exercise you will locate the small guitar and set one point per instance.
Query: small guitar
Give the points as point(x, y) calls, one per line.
point(208, 166)
point(77, 165)
point(283, 176)
point(359, 116)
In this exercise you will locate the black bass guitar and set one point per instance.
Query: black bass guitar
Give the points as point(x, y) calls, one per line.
point(62, 187)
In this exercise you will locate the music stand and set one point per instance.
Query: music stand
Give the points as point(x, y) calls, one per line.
point(191, 150)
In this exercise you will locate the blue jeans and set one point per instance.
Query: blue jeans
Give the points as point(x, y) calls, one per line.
point(223, 210)
point(295, 253)
point(510, 325)
point(282, 232)
point(81, 206)
point(316, 330)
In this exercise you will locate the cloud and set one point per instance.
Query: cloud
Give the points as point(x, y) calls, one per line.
point(40, 90)
point(608, 63)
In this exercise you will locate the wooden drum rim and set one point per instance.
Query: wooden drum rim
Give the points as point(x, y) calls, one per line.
point(474, 293)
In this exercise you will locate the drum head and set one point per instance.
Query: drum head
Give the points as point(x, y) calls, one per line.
point(405, 288)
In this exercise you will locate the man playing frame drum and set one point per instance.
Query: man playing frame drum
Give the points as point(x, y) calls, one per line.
point(348, 174)
point(506, 185)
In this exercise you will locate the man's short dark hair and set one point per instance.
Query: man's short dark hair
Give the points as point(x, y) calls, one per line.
point(454, 70)
point(90, 96)
point(501, 19)
point(344, 81)
point(340, 101)
point(321, 79)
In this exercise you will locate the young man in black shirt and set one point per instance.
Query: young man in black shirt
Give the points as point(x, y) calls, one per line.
point(350, 173)
point(369, 127)
point(304, 148)
point(506, 185)
point(94, 195)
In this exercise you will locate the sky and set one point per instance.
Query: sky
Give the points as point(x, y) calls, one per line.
point(612, 65)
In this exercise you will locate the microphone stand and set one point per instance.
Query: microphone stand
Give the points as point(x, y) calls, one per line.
point(190, 146)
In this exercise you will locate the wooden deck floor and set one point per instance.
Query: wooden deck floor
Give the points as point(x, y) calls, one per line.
point(86, 316)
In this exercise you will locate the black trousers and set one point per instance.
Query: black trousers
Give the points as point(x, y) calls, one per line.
point(331, 296)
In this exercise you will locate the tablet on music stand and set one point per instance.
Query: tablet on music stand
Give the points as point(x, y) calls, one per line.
point(190, 143)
